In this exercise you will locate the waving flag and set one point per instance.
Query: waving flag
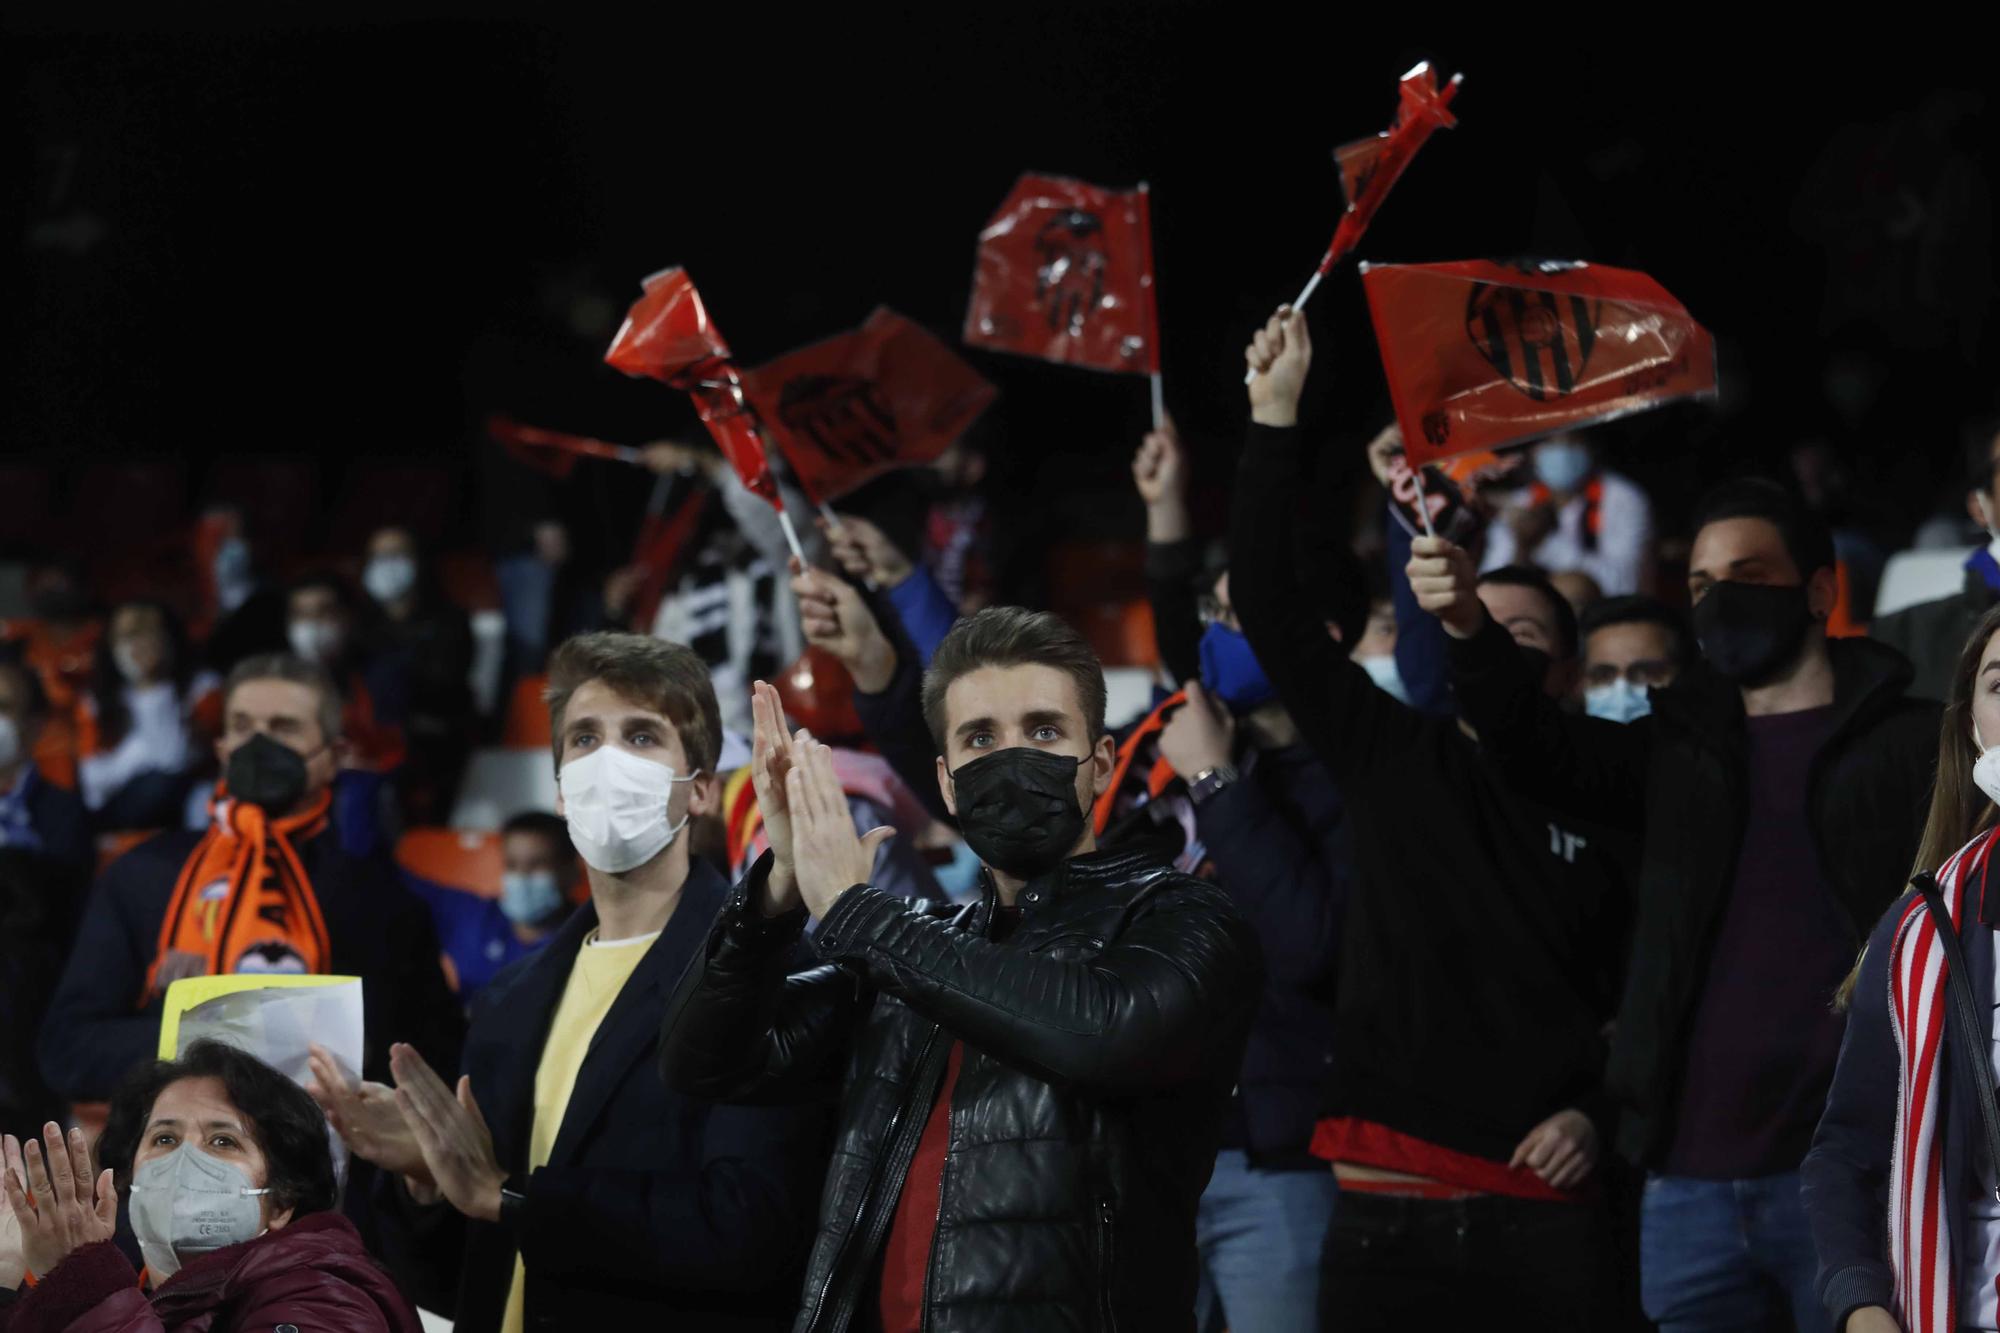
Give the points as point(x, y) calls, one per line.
point(1370, 168)
point(1065, 273)
point(552, 451)
point(884, 396)
point(1482, 355)
point(668, 336)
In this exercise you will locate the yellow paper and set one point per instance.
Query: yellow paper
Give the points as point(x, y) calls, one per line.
point(189, 992)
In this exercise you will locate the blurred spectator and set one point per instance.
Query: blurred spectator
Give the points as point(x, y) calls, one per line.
point(145, 727)
point(1631, 646)
point(522, 531)
point(37, 902)
point(925, 608)
point(1375, 651)
point(426, 644)
point(538, 885)
point(223, 1166)
point(1826, 483)
point(242, 612)
point(1577, 588)
point(958, 526)
point(1931, 634)
point(185, 903)
point(59, 639)
point(1577, 517)
point(329, 626)
point(36, 817)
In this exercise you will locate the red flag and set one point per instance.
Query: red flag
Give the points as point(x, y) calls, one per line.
point(1065, 273)
point(668, 336)
point(883, 396)
point(1481, 355)
point(1370, 168)
point(552, 451)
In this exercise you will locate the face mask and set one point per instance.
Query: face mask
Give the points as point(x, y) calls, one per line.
point(389, 578)
point(1751, 632)
point(1230, 672)
point(126, 659)
point(1620, 701)
point(616, 806)
point(267, 774)
point(1018, 809)
point(232, 561)
point(315, 640)
point(529, 899)
point(1562, 466)
point(10, 741)
point(960, 879)
point(1986, 770)
point(188, 1204)
point(1382, 670)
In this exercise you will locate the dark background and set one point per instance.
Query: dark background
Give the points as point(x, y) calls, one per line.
point(353, 239)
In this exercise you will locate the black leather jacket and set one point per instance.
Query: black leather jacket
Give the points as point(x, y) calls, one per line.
point(1101, 1040)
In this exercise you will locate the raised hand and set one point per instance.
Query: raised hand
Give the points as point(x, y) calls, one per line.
point(452, 1134)
point(1279, 354)
point(834, 617)
point(1199, 736)
point(366, 1117)
point(773, 756)
point(1160, 473)
point(58, 1206)
point(832, 857)
point(1384, 451)
point(1446, 585)
point(862, 550)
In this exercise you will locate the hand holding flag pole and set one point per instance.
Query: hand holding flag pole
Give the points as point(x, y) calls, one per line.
point(1370, 168)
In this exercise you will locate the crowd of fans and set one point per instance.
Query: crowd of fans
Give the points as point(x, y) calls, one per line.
point(1462, 935)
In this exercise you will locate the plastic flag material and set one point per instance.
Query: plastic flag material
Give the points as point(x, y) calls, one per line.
point(1065, 273)
point(668, 336)
point(552, 451)
point(1482, 355)
point(1370, 168)
point(886, 395)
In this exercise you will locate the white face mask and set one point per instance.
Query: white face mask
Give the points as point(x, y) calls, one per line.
point(1620, 701)
point(126, 659)
point(616, 806)
point(10, 741)
point(1382, 670)
point(389, 578)
point(188, 1204)
point(315, 640)
point(1986, 770)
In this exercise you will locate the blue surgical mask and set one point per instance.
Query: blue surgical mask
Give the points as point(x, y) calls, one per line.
point(531, 898)
point(960, 879)
point(1382, 670)
point(1230, 672)
point(1620, 701)
point(1562, 465)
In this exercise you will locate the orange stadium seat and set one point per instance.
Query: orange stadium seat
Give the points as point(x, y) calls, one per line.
point(452, 859)
point(527, 723)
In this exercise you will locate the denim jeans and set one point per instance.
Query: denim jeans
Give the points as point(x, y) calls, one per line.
point(1716, 1256)
point(1260, 1234)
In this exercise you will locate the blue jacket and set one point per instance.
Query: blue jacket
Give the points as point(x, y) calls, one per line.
point(1845, 1177)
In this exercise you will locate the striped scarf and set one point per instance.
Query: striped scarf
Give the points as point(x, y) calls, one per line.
point(1920, 1239)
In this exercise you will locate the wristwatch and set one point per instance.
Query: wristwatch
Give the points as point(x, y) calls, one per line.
point(1210, 781)
point(513, 1202)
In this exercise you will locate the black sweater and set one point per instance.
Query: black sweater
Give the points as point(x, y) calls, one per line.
point(1483, 939)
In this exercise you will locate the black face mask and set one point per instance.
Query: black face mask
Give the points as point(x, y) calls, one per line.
point(1018, 809)
point(1751, 632)
point(266, 773)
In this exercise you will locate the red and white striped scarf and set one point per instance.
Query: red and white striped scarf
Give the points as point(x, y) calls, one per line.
point(1920, 1240)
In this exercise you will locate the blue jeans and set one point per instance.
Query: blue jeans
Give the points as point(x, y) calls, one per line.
point(1716, 1256)
point(1260, 1234)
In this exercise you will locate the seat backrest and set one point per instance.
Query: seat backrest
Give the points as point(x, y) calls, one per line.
point(464, 859)
point(527, 723)
point(500, 783)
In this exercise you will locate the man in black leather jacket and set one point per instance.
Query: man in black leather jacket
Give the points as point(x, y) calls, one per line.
point(1031, 1086)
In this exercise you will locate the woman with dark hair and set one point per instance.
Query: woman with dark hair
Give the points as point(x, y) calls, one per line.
point(228, 1175)
point(144, 726)
point(1900, 1155)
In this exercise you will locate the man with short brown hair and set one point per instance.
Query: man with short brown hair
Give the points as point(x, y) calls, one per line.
point(1034, 1084)
point(598, 1198)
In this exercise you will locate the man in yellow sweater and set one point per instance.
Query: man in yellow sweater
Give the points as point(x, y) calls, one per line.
point(582, 1193)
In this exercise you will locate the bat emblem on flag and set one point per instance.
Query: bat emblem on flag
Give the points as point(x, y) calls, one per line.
point(1540, 341)
point(1069, 282)
point(842, 415)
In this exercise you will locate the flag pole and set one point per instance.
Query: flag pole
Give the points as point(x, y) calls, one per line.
point(1423, 501)
point(791, 534)
point(1151, 297)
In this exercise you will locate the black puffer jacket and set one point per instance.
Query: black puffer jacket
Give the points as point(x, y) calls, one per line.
point(1101, 1040)
point(1683, 776)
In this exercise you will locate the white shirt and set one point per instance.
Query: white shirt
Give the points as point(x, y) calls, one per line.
point(1624, 539)
point(157, 741)
point(1979, 1247)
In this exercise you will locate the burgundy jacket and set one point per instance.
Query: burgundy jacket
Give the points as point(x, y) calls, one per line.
point(311, 1275)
